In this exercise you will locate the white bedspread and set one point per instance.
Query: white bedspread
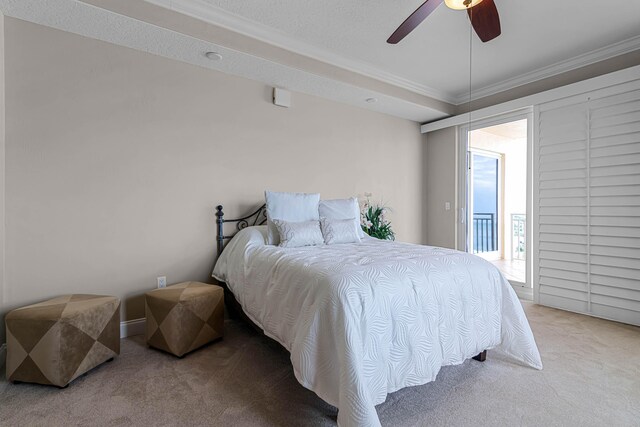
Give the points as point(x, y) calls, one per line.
point(365, 319)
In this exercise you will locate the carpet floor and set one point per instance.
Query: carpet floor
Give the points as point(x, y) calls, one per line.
point(591, 377)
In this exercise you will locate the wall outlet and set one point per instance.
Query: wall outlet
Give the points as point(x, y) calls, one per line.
point(162, 282)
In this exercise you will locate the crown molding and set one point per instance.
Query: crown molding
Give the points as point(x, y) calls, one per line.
point(597, 55)
point(631, 74)
point(211, 14)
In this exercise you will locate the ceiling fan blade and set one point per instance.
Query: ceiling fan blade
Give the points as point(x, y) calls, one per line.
point(414, 20)
point(485, 20)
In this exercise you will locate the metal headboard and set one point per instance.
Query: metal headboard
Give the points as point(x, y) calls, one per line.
point(259, 217)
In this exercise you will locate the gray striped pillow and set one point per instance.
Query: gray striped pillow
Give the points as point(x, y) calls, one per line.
point(296, 234)
point(337, 231)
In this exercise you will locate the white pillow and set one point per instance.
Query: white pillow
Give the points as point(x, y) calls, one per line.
point(342, 209)
point(296, 234)
point(294, 207)
point(337, 231)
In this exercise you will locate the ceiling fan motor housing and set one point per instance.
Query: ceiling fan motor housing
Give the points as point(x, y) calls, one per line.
point(461, 4)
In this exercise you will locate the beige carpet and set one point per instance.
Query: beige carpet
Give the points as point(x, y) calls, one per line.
point(591, 378)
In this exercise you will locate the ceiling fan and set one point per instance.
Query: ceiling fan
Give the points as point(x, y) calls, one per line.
point(482, 13)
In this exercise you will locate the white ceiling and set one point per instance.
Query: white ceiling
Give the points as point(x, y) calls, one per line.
point(536, 34)
point(512, 130)
point(418, 79)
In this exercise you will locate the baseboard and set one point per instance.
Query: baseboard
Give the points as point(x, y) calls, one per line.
point(3, 355)
point(130, 328)
point(523, 292)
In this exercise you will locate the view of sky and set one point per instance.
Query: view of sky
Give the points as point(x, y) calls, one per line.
point(485, 200)
point(485, 191)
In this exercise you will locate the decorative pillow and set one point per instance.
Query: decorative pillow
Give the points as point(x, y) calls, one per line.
point(342, 209)
point(339, 231)
point(296, 234)
point(292, 207)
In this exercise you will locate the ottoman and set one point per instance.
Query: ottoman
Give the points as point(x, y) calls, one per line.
point(183, 317)
point(58, 340)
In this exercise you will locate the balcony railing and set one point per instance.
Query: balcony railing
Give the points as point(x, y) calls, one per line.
point(518, 236)
point(485, 234)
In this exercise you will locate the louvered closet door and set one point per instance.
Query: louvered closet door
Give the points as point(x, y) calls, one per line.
point(562, 206)
point(614, 160)
point(588, 203)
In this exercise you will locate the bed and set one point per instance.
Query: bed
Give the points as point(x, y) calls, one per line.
point(362, 320)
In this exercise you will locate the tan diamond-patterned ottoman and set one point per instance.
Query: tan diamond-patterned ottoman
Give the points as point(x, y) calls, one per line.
point(183, 317)
point(58, 340)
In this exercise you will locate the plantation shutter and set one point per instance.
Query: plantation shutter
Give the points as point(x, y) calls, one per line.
point(588, 203)
point(562, 206)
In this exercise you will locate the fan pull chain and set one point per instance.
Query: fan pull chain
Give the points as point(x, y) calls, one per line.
point(470, 71)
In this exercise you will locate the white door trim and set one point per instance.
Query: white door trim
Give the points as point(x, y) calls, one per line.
point(533, 226)
point(461, 188)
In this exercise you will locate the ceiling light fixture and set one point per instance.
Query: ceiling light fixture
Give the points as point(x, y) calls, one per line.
point(461, 4)
point(372, 100)
point(214, 56)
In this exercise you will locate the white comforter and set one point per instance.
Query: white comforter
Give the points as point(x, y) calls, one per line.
point(364, 320)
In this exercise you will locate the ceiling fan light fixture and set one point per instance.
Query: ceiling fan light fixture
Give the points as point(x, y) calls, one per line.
point(461, 4)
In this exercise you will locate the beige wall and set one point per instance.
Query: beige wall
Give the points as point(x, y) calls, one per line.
point(441, 188)
point(116, 159)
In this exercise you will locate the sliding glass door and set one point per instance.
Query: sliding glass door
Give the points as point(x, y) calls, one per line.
point(484, 203)
point(495, 195)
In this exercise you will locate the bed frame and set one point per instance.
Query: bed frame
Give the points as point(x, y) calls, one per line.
point(258, 217)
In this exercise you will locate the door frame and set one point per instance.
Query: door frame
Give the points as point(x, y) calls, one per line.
point(524, 290)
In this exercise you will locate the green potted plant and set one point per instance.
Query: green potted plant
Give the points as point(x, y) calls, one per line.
point(374, 221)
